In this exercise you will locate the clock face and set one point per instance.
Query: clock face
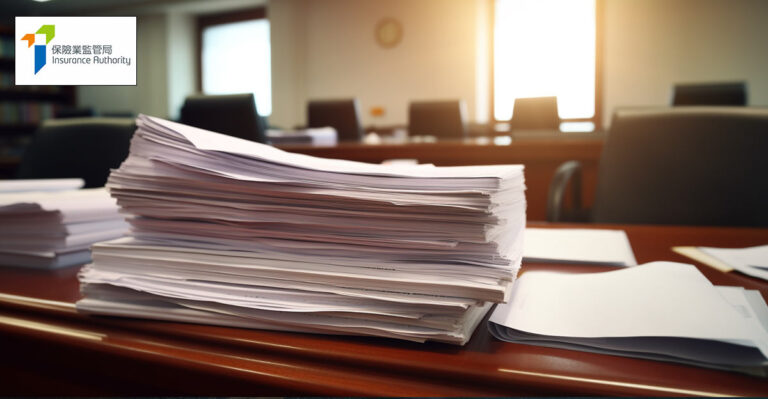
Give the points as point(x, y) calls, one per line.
point(389, 32)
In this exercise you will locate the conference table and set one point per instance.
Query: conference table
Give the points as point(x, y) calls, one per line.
point(541, 158)
point(49, 349)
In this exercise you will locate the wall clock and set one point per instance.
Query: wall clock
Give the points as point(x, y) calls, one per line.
point(389, 32)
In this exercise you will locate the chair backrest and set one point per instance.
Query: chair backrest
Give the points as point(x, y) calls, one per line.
point(233, 115)
point(710, 94)
point(75, 112)
point(689, 165)
point(442, 119)
point(77, 147)
point(342, 115)
point(535, 113)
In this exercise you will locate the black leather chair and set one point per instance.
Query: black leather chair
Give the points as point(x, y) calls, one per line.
point(710, 94)
point(442, 119)
point(77, 147)
point(233, 115)
point(686, 165)
point(342, 115)
point(535, 113)
point(74, 112)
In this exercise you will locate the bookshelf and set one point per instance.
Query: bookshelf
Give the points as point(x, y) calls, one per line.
point(22, 108)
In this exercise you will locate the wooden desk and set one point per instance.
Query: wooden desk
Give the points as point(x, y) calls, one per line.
point(540, 157)
point(49, 349)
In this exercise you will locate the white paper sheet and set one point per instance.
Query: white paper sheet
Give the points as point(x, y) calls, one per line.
point(750, 257)
point(752, 261)
point(609, 247)
point(22, 185)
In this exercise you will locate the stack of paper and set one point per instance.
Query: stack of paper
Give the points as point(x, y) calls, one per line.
point(56, 228)
point(661, 310)
point(234, 232)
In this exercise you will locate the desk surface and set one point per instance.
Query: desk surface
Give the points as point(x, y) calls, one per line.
point(50, 349)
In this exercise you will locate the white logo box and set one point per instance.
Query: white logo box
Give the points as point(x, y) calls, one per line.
point(67, 62)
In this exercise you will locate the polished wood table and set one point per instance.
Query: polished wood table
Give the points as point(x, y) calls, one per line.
point(541, 158)
point(49, 349)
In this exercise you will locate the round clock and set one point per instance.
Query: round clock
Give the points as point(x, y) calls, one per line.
point(389, 32)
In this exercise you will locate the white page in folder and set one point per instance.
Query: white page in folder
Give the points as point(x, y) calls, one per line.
point(659, 299)
point(609, 247)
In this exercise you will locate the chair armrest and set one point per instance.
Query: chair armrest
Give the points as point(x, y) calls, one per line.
point(565, 173)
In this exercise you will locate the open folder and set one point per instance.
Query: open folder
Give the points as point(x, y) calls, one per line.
point(661, 310)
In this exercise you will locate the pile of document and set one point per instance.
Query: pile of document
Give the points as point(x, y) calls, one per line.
point(51, 229)
point(661, 310)
point(233, 232)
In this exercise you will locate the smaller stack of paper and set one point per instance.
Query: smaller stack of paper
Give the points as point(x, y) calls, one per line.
point(56, 228)
point(661, 310)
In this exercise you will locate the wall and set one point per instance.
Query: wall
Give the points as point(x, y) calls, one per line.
point(326, 48)
point(650, 45)
point(148, 96)
point(166, 50)
point(434, 60)
point(288, 34)
point(181, 62)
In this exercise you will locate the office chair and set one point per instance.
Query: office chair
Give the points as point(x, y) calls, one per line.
point(689, 166)
point(77, 147)
point(535, 113)
point(74, 112)
point(233, 115)
point(342, 115)
point(442, 119)
point(710, 94)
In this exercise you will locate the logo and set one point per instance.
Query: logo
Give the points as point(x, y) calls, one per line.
point(49, 31)
point(65, 51)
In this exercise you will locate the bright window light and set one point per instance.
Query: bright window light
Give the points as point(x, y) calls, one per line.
point(545, 48)
point(236, 58)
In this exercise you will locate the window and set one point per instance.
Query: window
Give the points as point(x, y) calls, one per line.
point(545, 48)
point(235, 56)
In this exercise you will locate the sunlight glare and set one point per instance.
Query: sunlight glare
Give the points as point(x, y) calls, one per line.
point(237, 59)
point(545, 48)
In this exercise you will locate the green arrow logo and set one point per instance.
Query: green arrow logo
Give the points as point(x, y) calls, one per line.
point(49, 31)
